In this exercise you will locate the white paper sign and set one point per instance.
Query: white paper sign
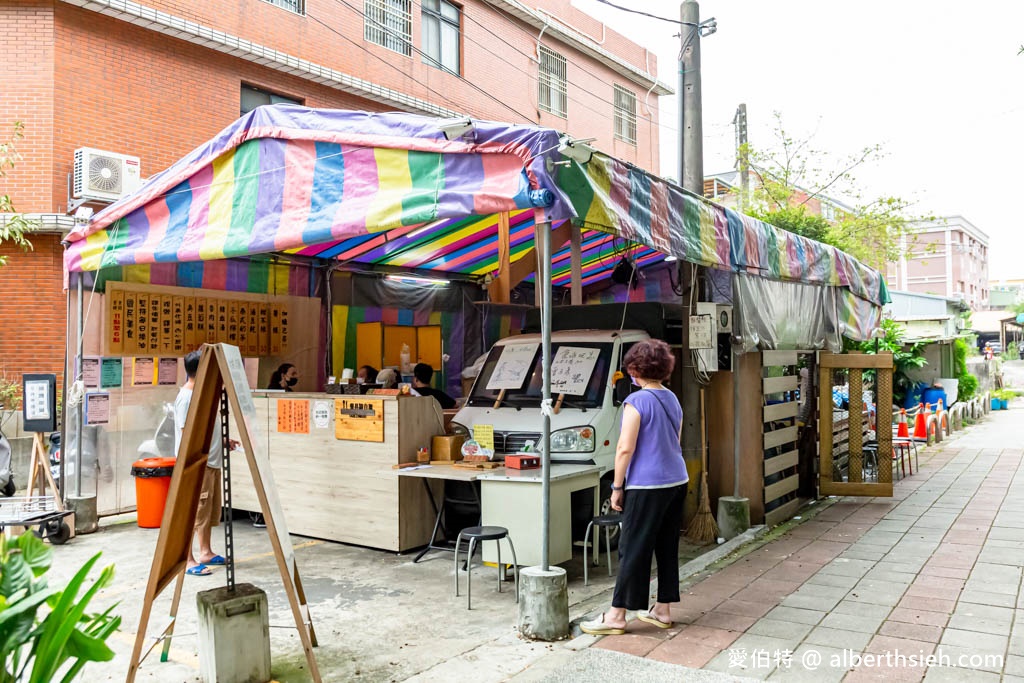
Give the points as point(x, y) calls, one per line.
point(571, 369)
point(512, 367)
point(37, 400)
point(97, 408)
point(91, 372)
point(700, 332)
point(322, 414)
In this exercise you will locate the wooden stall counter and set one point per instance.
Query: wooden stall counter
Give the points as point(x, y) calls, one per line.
point(332, 458)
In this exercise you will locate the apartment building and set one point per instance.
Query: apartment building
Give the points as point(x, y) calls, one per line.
point(146, 82)
point(947, 257)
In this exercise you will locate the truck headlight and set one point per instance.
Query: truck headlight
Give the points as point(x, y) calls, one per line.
point(573, 440)
point(459, 429)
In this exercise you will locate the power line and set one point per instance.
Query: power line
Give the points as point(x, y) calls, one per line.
point(646, 14)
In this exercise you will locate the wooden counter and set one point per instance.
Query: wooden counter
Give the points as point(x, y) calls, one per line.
point(341, 489)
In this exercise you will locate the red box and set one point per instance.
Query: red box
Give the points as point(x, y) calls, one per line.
point(522, 461)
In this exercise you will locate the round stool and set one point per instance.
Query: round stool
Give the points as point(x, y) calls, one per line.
point(483, 533)
point(606, 521)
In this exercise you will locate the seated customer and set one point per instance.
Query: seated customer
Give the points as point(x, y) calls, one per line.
point(366, 375)
point(387, 378)
point(422, 374)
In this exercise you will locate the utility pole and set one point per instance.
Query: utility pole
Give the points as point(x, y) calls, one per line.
point(742, 158)
point(691, 177)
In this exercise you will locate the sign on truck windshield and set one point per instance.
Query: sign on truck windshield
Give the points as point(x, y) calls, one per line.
point(579, 371)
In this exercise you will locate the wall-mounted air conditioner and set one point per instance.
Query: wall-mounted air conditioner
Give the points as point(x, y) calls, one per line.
point(104, 176)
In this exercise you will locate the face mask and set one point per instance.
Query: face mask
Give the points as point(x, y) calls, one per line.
point(293, 381)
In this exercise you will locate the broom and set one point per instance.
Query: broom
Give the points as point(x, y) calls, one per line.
point(703, 529)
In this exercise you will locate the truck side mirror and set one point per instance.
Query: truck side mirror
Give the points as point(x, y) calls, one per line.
point(623, 388)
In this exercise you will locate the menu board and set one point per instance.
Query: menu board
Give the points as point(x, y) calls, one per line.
point(512, 367)
point(359, 419)
point(174, 323)
point(293, 416)
point(571, 369)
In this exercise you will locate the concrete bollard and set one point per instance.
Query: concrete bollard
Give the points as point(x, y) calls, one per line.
point(543, 603)
point(234, 635)
point(733, 516)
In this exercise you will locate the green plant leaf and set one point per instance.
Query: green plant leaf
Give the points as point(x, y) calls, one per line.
point(16, 576)
point(58, 625)
point(37, 554)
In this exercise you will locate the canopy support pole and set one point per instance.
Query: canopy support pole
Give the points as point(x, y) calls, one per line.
point(79, 351)
point(544, 287)
point(576, 263)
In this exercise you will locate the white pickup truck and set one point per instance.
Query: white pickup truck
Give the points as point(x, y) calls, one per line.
point(586, 427)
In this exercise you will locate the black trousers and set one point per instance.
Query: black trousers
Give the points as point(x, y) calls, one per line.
point(652, 520)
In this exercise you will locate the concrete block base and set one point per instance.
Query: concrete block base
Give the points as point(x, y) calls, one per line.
point(733, 516)
point(234, 635)
point(543, 603)
point(86, 520)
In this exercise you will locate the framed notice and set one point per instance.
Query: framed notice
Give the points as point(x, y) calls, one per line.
point(167, 372)
point(512, 367)
point(39, 404)
point(111, 373)
point(359, 419)
point(142, 371)
point(97, 408)
point(292, 416)
point(571, 369)
point(91, 372)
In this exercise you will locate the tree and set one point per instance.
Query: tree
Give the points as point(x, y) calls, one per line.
point(792, 173)
point(13, 226)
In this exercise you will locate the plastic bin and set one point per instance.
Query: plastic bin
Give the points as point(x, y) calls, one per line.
point(152, 481)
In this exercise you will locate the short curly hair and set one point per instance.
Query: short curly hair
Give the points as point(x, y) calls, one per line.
point(650, 359)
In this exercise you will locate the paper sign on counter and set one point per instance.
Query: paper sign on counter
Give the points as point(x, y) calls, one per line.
point(484, 435)
point(292, 416)
point(322, 414)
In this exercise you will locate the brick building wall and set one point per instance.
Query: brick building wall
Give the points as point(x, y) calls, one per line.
point(78, 78)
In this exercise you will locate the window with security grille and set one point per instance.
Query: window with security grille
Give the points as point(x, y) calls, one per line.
point(253, 97)
point(552, 83)
point(625, 115)
point(388, 23)
point(297, 6)
point(442, 22)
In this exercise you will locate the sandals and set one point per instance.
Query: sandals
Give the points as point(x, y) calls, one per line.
point(215, 561)
point(597, 627)
point(647, 617)
point(198, 570)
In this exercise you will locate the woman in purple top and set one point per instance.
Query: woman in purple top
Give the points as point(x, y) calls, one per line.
point(649, 488)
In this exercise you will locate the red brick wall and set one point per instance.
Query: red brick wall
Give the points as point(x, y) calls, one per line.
point(32, 309)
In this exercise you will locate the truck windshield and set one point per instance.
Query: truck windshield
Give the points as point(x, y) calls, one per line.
point(527, 379)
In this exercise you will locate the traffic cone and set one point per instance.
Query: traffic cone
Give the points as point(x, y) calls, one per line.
point(902, 431)
point(920, 428)
point(941, 412)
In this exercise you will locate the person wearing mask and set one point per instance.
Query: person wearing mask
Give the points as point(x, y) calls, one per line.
point(367, 375)
point(649, 488)
point(422, 375)
point(284, 378)
point(387, 378)
point(208, 511)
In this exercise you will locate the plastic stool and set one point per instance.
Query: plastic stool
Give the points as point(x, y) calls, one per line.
point(606, 521)
point(483, 533)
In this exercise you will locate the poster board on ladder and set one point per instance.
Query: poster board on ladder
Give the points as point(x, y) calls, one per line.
point(220, 368)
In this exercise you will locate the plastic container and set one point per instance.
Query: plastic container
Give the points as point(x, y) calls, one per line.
point(1004, 404)
point(152, 481)
point(996, 404)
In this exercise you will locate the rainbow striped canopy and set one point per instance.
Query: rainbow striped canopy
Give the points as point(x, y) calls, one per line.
point(391, 190)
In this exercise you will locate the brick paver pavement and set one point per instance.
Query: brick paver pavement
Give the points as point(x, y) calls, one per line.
point(935, 570)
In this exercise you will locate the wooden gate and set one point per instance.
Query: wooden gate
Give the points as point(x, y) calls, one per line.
point(858, 471)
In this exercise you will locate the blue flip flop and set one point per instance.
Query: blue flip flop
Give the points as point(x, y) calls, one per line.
point(198, 570)
point(216, 561)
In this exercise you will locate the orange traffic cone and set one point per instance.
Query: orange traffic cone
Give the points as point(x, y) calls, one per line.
point(920, 427)
point(902, 431)
point(941, 412)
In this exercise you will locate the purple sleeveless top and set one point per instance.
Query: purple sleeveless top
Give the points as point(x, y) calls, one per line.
point(658, 459)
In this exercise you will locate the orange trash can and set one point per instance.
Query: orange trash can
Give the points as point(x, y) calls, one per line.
point(152, 481)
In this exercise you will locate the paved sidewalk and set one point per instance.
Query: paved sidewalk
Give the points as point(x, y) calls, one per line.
point(935, 570)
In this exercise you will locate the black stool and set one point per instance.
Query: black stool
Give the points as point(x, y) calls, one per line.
point(483, 533)
point(606, 521)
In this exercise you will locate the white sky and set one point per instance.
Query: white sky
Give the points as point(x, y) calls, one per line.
point(936, 83)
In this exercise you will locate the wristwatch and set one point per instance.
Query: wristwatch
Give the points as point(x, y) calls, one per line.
point(616, 488)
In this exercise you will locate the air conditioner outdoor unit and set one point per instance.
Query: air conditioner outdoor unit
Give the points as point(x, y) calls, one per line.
point(104, 176)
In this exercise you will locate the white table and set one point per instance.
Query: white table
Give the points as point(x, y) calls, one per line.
point(512, 499)
point(430, 473)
